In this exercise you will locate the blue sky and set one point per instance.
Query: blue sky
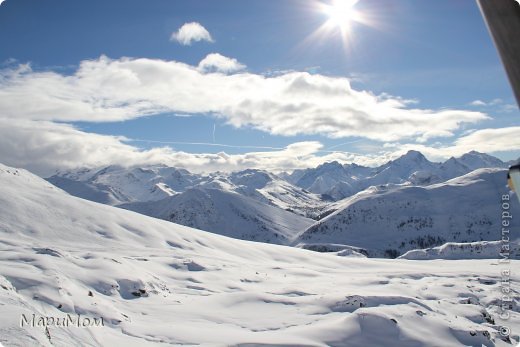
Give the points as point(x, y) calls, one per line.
point(432, 56)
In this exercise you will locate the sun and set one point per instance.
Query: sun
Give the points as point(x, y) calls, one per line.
point(342, 14)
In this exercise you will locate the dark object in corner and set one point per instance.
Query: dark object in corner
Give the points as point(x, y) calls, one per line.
point(503, 21)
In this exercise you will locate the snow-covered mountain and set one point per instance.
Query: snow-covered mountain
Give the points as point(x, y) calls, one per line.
point(403, 169)
point(115, 185)
point(453, 167)
point(155, 283)
point(226, 213)
point(336, 181)
point(271, 189)
point(332, 181)
point(261, 206)
point(252, 204)
point(304, 192)
point(475, 160)
point(395, 220)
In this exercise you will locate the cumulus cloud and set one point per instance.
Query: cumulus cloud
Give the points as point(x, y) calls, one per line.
point(215, 62)
point(191, 32)
point(289, 104)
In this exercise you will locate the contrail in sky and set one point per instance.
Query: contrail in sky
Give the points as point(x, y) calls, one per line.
point(236, 146)
point(342, 144)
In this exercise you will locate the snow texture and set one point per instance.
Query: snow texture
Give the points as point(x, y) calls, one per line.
point(156, 283)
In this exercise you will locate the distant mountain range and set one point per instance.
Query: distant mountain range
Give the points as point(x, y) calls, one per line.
point(335, 181)
point(404, 204)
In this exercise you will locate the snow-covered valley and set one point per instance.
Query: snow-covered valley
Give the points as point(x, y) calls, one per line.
point(158, 283)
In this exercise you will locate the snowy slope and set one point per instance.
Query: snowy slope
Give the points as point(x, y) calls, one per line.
point(250, 205)
point(394, 221)
point(453, 168)
point(156, 283)
point(87, 190)
point(273, 190)
point(226, 213)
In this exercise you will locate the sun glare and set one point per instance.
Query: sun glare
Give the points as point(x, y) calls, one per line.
point(341, 17)
point(342, 13)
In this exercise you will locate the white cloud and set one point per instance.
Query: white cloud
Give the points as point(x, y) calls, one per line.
point(191, 32)
point(498, 105)
point(215, 62)
point(490, 140)
point(493, 102)
point(483, 140)
point(289, 104)
point(477, 103)
point(43, 147)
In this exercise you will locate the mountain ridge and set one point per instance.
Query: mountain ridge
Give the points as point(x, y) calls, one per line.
point(261, 206)
point(399, 219)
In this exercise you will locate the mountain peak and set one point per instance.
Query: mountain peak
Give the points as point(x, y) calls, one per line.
point(252, 178)
point(414, 154)
point(476, 154)
point(331, 165)
point(475, 160)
